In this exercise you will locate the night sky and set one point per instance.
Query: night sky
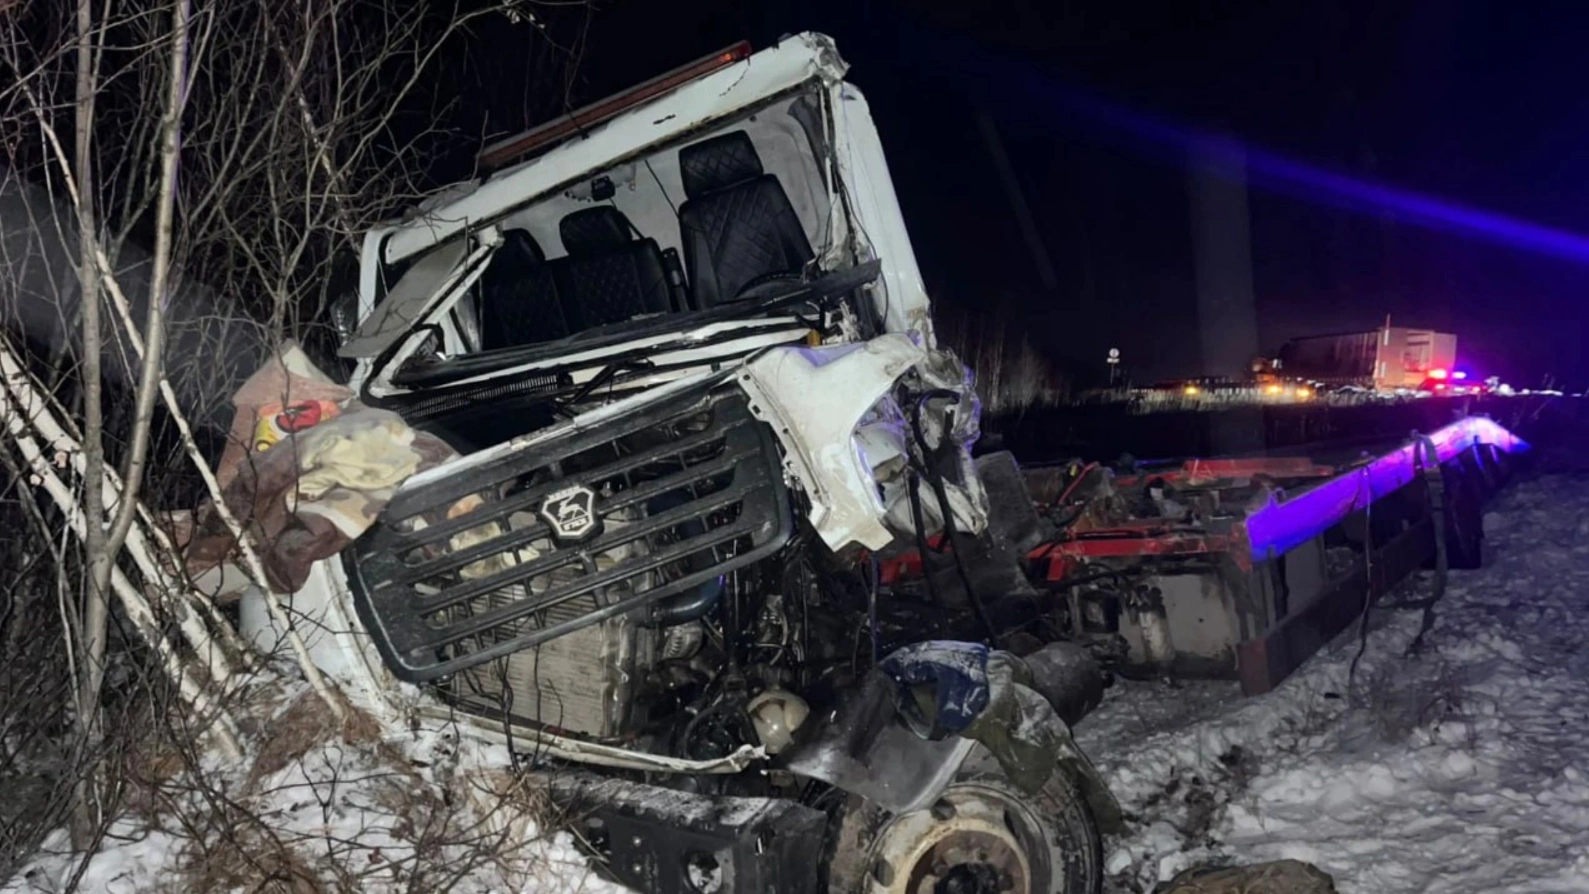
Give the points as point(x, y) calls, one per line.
point(1482, 105)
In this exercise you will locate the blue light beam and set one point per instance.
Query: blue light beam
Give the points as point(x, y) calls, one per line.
point(1268, 170)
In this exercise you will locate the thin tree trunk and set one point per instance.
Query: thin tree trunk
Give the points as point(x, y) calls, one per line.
point(149, 377)
point(103, 546)
point(91, 637)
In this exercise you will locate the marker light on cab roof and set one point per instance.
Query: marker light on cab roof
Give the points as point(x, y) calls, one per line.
point(514, 148)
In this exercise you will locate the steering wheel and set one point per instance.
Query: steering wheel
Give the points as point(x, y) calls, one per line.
point(767, 285)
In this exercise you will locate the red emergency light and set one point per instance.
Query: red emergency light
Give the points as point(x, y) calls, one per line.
point(502, 152)
point(1437, 373)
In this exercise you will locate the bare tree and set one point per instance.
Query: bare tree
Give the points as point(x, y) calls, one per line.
point(103, 537)
point(285, 123)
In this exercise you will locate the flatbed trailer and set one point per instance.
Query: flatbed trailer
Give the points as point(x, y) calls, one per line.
point(1242, 568)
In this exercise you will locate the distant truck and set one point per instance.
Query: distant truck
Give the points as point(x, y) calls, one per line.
point(1390, 358)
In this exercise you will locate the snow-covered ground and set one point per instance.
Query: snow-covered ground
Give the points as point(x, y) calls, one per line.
point(309, 810)
point(1461, 769)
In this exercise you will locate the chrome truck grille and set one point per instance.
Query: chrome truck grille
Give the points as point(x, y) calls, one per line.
point(536, 545)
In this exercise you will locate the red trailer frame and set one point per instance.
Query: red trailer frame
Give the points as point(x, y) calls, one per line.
point(1240, 585)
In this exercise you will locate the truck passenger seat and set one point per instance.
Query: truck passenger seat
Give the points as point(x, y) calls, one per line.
point(609, 276)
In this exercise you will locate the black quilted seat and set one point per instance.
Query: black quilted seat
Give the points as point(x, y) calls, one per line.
point(609, 276)
point(736, 223)
point(518, 296)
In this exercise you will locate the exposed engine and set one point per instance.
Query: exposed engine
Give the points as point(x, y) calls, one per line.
point(743, 659)
point(644, 580)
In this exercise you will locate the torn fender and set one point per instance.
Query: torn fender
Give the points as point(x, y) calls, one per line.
point(866, 749)
point(848, 441)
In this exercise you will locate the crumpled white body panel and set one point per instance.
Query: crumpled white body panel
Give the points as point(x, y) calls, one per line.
point(833, 411)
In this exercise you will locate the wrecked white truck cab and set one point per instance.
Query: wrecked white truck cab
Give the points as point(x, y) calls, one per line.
point(681, 342)
point(736, 211)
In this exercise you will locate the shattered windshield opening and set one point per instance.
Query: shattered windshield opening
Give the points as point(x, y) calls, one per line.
point(408, 300)
point(784, 302)
point(701, 231)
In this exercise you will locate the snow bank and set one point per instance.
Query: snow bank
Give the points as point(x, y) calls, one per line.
point(314, 810)
point(1462, 769)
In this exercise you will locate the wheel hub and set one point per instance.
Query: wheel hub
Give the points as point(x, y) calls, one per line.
point(972, 862)
point(972, 878)
point(973, 841)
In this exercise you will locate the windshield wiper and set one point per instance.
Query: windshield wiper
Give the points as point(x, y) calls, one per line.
point(607, 374)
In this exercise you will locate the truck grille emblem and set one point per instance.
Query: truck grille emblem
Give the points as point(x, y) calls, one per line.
point(571, 513)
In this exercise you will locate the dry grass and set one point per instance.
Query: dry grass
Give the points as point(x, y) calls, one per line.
point(256, 864)
point(302, 727)
point(1402, 699)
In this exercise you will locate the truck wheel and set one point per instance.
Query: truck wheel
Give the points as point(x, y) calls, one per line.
point(983, 836)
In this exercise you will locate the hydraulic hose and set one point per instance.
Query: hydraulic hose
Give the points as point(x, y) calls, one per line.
point(691, 605)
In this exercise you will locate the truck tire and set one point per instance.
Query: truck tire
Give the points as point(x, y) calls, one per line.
point(983, 836)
